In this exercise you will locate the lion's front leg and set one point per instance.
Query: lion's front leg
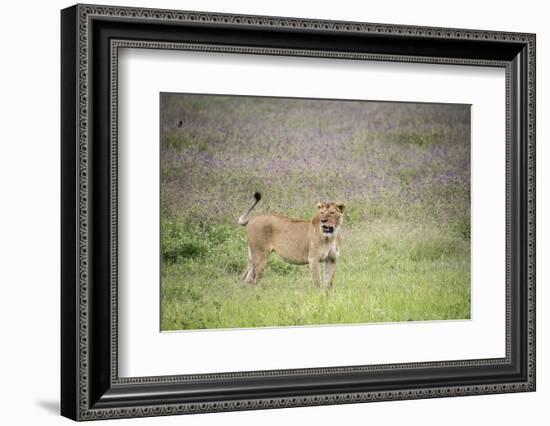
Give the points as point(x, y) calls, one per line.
point(315, 269)
point(330, 268)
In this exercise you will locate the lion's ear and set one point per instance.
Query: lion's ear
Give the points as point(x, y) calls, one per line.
point(340, 206)
point(320, 205)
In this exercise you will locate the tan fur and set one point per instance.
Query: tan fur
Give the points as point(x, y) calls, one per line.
point(299, 242)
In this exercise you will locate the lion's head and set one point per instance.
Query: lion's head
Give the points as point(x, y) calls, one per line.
point(330, 217)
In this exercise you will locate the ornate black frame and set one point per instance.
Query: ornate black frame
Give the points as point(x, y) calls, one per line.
point(91, 37)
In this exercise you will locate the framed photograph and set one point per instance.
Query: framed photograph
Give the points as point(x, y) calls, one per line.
point(263, 212)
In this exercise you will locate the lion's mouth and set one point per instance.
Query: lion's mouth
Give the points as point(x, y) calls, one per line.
point(327, 229)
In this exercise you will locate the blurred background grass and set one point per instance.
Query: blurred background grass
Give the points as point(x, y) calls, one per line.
point(402, 169)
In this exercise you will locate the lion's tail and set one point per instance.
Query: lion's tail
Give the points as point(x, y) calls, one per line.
point(243, 220)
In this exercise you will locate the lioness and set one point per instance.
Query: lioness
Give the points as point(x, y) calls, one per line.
point(299, 242)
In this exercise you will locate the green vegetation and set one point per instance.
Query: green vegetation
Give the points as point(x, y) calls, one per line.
point(401, 169)
point(389, 271)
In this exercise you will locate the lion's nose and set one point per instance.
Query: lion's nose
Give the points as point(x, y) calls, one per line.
point(324, 220)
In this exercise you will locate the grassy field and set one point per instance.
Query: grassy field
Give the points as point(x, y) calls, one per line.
point(402, 170)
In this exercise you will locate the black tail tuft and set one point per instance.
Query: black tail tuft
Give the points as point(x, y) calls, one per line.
point(243, 220)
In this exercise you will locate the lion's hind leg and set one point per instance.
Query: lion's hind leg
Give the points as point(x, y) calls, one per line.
point(248, 275)
point(259, 262)
point(259, 266)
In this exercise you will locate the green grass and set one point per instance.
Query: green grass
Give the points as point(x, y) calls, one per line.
point(419, 138)
point(390, 270)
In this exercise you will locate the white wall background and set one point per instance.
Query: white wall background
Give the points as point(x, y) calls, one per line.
point(29, 212)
